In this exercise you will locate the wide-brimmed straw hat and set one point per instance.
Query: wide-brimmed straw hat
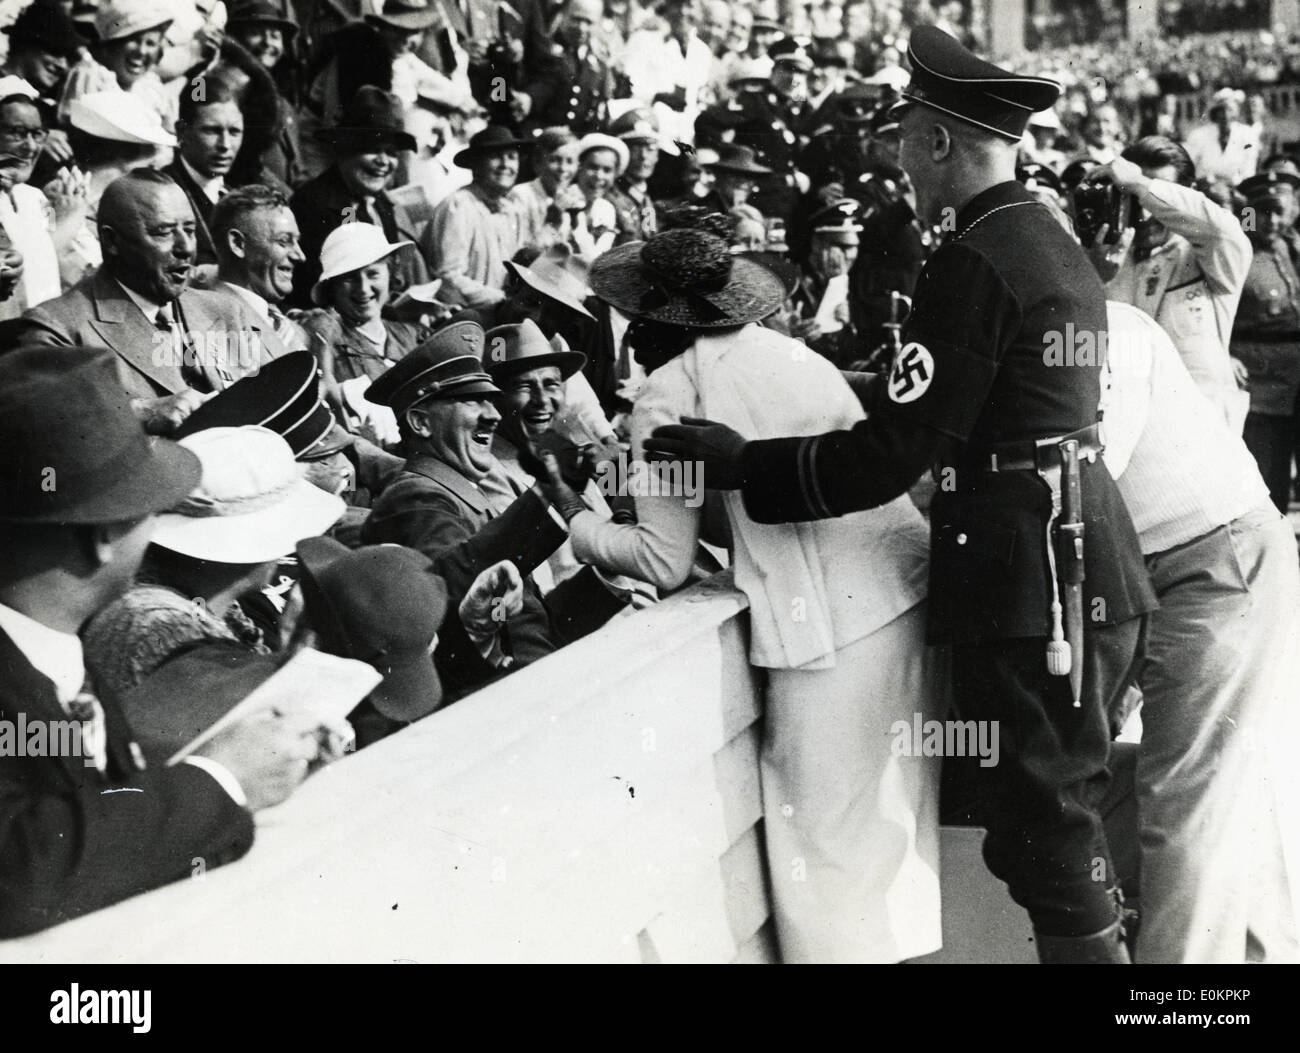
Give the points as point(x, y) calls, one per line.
point(252, 504)
point(687, 278)
point(509, 350)
point(348, 248)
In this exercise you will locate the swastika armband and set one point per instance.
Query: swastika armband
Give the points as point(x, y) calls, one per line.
point(938, 384)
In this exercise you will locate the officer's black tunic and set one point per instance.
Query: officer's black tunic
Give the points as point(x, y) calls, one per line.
point(973, 374)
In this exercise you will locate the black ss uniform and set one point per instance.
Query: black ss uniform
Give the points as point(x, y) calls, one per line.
point(972, 382)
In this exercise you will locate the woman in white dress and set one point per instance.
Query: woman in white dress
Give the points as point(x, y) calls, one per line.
point(836, 606)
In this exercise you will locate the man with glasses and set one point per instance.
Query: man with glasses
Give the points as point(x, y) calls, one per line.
point(29, 262)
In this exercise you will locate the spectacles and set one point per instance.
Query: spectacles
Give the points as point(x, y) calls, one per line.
point(15, 132)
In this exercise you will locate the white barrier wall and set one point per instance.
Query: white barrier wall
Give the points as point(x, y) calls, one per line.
point(597, 806)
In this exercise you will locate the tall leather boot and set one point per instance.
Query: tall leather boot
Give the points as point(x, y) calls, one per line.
point(1101, 948)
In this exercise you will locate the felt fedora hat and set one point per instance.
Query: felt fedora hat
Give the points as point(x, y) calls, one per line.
point(75, 451)
point(491, 139)
point(558, 275)
point(732, 158)
point(263, 13)
point(372, 120)
point(410, 15)
point(44, 24)
point(509, 350)
point(382, 605)
point(688, 278)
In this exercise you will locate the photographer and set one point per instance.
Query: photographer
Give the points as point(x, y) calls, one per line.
point(1183, 260)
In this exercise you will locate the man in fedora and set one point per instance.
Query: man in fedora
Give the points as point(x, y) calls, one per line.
point(475, 229)
point(638, 217)
point(175, 345)
point(735, 178)
point(76, 516)
point(445, 407)
point(366, 145)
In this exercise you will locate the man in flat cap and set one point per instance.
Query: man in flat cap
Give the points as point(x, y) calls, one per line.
point(972, 394)
point(76, 513)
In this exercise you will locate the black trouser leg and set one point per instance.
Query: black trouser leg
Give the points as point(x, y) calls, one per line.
point(1270, 440)
point(1045, 836)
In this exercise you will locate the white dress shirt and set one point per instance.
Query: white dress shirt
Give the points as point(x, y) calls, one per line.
point(212, 186)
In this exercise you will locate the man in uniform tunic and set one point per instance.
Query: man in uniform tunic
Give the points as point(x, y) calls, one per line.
point(976, 393)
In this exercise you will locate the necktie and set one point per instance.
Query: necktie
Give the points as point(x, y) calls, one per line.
point(87, 711)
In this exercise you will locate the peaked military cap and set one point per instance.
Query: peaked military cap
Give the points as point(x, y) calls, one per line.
point(793, 51)
point(839, 217)
point(948, 78)
point(1268, 184)
point(449, 365)
point(1039, 177)
point(283, 396)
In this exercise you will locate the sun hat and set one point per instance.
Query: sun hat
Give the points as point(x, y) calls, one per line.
point(119, 116)
point(348, 248)
point(76, 451)
point(382, 605)
point(687, 278)
point(252, 504)
point(119, 19)
point(559, 275)
point(600, 141)
point(509, 350)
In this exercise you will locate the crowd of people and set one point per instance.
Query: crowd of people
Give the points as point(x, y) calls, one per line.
point(341, 327)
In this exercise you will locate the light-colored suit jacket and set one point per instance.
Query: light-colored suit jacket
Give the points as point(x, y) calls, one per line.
point(228, 338)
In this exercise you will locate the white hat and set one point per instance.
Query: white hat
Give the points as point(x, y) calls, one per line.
point(252, 504)
point(116, 19)
point(1227, 95)
point(119, 116)
point(348, 248)
point(600, 141)
point(12, 85)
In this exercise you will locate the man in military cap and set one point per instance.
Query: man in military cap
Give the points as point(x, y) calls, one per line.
point(972, 393)
point(773, 126)
point(894, 242)
point(637, 215)
point(446, 409)
point(585, 81)
point(823, 319)
point(1266, 330)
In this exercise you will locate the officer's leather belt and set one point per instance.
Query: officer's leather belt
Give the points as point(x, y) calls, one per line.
point(1032, 455)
